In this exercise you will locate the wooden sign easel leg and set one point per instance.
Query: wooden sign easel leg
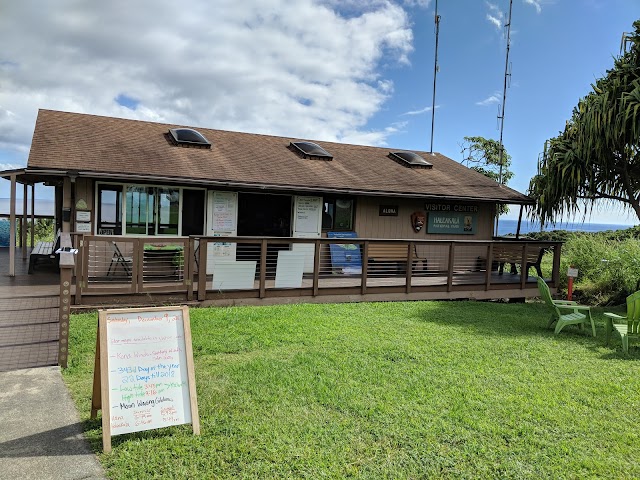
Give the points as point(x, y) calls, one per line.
point(95, 395)
point(104, 382)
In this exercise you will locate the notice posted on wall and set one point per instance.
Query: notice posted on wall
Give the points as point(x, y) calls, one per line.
point(146, 369)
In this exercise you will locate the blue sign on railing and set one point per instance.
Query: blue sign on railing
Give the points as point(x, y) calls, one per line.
point(345, 256)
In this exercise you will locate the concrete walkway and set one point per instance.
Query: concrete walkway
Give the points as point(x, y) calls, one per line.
point(40, 432)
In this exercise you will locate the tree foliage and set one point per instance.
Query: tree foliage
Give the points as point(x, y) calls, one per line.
point(483, 155)
point(597, 156)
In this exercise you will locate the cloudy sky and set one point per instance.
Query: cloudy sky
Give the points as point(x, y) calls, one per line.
point(355, 71)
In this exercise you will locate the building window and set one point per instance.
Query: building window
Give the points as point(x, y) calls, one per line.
point(148, 210)
point(152, 210)
point(337, 214)
point(109, 210)
point(168, 211)
point(140, 205)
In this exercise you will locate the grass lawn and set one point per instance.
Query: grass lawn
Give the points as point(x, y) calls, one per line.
point(387, 390)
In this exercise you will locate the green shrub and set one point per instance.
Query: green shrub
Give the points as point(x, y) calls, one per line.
point(609, 268)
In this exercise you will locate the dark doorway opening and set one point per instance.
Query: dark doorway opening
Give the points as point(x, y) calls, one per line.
point(192, 212)
point(262, 215)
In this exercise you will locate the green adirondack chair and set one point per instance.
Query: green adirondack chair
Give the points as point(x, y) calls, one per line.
point(565, 312)
point(629, 326)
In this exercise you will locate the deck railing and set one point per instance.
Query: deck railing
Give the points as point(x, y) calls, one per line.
point(214, 268)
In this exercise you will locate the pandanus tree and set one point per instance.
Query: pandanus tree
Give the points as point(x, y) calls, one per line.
point(597, 156)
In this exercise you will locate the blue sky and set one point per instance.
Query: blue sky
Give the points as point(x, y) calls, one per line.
point(351, 70)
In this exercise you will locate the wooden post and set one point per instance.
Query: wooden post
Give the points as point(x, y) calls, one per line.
point(192, 267)
point(12, 228)
point(33, 214)
point(66, 204)
point(489, 266)
point(410, 248)
point(137, 277)
point(23, 239)
point(263, 268)
point(523, 267)
point(80, 274)
point(202, 268)
point(452, 249)
point(316, 267)
point(365, 264)
point(67, 263)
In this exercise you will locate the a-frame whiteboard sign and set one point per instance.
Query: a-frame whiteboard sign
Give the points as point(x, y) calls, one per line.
point(144, 378)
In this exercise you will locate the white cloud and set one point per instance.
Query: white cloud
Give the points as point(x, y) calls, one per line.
point(417, 3)
point(490, 100)
point(308, 68)
point(494, 21)
point(534, 3)
point(375, 137)
point(420, 112)
point(495, 16)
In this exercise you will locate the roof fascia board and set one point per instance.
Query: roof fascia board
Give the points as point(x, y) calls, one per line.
point(15, 171)
point(285, 188)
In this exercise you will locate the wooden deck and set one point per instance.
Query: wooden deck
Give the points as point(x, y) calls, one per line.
point(28, 315)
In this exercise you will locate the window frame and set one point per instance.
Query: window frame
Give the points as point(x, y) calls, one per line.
point(331, 200)
point(99, 186)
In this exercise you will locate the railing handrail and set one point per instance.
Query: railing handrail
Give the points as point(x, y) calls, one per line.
point(258, 240)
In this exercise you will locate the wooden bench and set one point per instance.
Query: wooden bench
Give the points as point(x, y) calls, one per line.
point(396, 253)
point(513, 254)
point(44, 252)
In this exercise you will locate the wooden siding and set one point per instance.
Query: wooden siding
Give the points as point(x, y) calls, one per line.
point(369, 224)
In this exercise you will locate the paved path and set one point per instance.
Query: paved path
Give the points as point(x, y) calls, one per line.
point(40, 432)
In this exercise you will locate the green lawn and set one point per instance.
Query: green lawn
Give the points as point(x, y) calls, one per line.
point(387, 390)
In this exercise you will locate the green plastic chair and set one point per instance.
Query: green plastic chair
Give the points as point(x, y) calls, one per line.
point(573, 315)
point(630, 329)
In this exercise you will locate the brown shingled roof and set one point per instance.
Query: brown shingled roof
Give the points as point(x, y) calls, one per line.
point(106, 145)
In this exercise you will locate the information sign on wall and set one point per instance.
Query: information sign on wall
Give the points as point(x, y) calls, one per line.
point(83, 216)
point(223, 212)
point(144, 376)
point(452, 223)
point(308, 215)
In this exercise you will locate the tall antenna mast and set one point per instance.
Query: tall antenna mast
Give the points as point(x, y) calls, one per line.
point(435, 74)
point(507, 75)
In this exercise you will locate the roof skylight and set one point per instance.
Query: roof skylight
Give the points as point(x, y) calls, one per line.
point(311, 150)
point(189, 137)
point(410, 159)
